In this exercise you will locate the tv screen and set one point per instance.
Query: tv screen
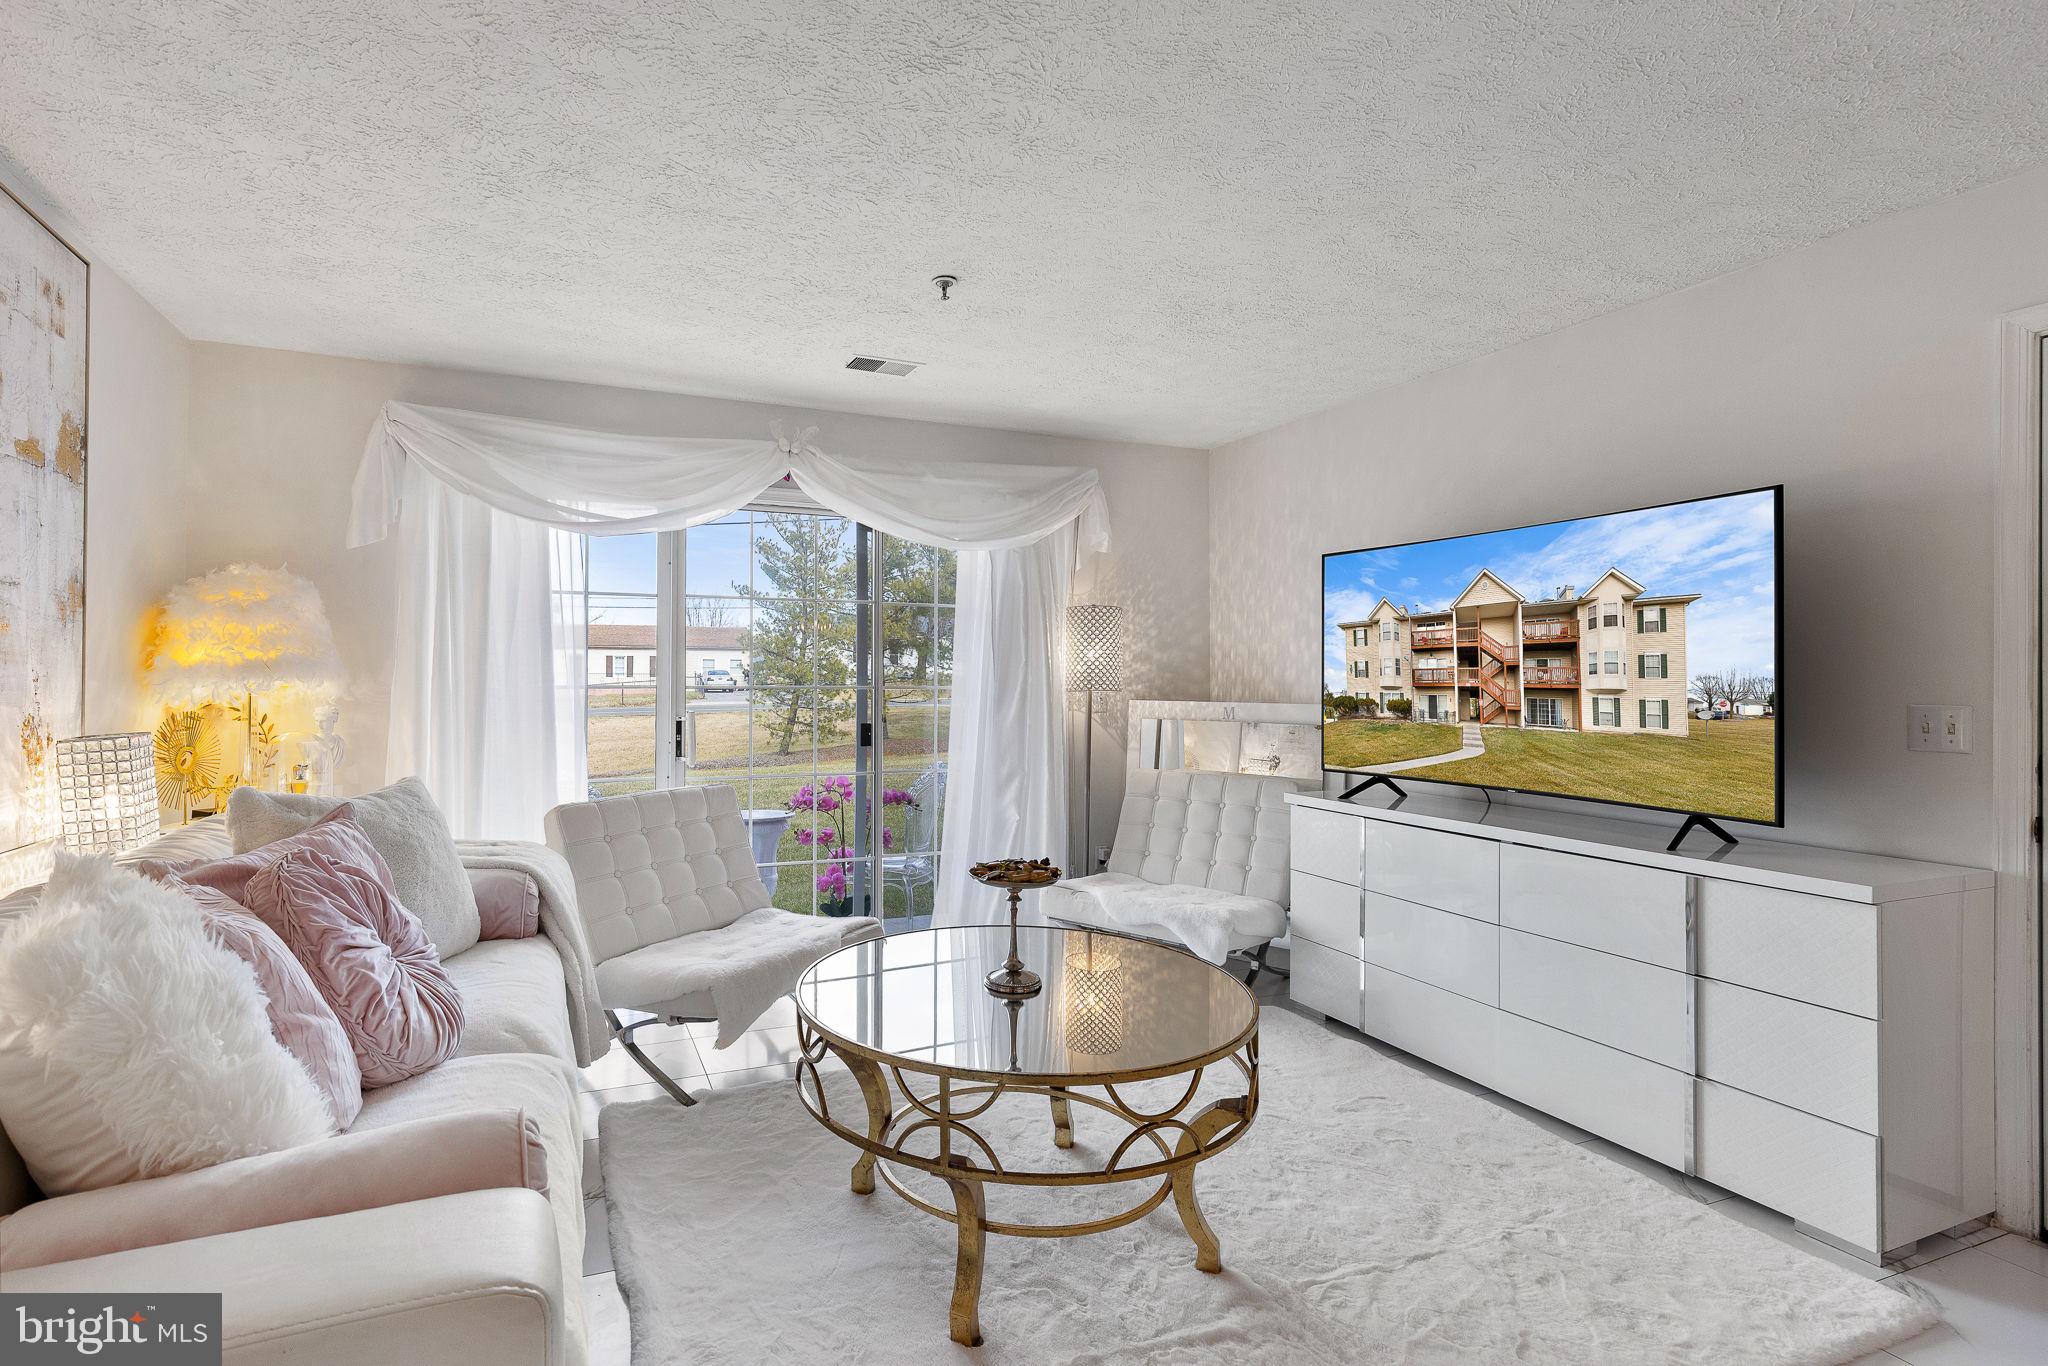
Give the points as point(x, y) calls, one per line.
point(1631, 657)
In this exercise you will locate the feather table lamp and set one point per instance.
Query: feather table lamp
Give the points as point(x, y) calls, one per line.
point(237, 637)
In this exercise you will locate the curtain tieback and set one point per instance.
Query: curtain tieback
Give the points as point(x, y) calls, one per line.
point(800, 444)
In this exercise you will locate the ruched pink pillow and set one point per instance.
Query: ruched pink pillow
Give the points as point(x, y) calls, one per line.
point(327, 893)
point(299, 1016)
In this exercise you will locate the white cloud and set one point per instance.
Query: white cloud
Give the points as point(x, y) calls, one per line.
point(1667, 550)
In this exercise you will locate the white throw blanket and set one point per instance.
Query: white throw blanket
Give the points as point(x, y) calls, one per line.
point(1200, 917)
point(562, 923)
point(745, 967)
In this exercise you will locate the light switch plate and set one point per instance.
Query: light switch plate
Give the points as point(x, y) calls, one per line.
point(1938, 729)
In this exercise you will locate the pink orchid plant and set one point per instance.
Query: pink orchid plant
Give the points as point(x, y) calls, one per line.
point(829, 801)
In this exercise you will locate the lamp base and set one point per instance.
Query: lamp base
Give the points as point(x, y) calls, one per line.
point(1015, 983)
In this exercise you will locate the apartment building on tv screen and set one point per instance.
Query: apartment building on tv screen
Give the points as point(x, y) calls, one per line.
point(1611, 657)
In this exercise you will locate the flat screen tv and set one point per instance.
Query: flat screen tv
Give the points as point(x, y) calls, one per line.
point(1631, 657)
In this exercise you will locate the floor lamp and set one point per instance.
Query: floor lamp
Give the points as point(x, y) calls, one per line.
point(1096, 659)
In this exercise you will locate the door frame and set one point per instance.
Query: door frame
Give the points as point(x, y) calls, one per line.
point(2016, 667)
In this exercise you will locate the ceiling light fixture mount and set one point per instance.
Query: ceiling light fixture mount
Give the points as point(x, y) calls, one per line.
point(945, 284)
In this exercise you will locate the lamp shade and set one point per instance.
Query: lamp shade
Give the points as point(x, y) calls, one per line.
point(106, 791)
point(1096, 651)
point(239, 630)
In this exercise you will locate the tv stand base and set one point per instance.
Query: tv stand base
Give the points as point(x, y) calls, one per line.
point(1699, 822)
point(1372, 780)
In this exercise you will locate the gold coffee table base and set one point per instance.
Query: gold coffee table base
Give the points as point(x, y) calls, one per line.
point(968, 1164)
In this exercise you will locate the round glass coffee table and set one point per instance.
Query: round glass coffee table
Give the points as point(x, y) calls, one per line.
point(909, 1017)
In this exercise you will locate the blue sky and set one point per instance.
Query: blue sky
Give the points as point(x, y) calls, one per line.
point(629, 564)
point(1719, 548)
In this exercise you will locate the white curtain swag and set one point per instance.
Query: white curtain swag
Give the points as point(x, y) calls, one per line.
point(488, 677)
point(611, 484)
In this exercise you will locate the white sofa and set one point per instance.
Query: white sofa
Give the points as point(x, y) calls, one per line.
point(492, 1276)
point(1200, 859)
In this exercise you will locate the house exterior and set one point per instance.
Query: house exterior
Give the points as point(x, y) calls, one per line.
point(1610, 658)
point(625, 654)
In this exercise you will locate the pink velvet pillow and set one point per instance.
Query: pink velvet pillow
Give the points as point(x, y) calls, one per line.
point(300, 1018)
point(507, 903)
point(327, 894)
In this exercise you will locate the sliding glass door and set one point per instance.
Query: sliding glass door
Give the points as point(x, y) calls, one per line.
point(807, 661)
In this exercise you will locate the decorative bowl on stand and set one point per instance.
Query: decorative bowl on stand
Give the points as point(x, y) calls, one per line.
point(1015, 876)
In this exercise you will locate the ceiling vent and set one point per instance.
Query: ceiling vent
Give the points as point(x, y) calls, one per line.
point(880, 366)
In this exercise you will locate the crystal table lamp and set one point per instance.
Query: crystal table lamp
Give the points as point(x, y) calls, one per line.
point(106, 791)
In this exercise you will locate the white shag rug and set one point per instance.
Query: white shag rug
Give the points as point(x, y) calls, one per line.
point(1371, 1215)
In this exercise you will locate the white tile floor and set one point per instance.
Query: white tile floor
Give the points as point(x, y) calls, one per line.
point(1990, 1287)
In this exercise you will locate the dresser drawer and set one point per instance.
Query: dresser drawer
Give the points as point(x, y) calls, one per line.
point(1430, 868)
point(1439, 1026)
point(1325, 912)
point(1449, 951)
point(1810, 948)
point(1821, 1061)
point(1614, 907)
point(1326, 844)
point(1636, 1103)
point(1323, 979)
point(1818, 1172)
point(1632, 1006)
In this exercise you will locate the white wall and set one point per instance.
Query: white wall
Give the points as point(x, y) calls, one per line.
point(135, 537)
point(1858, 372)
point(276, 436)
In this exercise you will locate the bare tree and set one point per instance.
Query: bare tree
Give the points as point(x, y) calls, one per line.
point(1714, 687)
point(709, 612)
point(1709, 688)
point(1758, 688)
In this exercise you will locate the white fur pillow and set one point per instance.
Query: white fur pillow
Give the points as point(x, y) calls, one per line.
point(132, 1043)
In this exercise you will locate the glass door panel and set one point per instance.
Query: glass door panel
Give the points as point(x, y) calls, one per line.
point(805, 660)
point(621, 576)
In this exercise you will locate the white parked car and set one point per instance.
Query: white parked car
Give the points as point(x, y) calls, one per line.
point(718, 680)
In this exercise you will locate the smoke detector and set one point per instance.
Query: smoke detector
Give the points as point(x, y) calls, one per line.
point(880, 365)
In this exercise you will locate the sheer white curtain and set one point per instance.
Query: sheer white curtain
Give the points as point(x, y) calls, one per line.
point(488, 676)
point(1007, 791)
point(607, 484)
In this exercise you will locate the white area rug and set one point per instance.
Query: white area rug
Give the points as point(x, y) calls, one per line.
point(1371, 1215)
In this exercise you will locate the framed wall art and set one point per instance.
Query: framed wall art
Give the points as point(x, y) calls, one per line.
point(43, 303)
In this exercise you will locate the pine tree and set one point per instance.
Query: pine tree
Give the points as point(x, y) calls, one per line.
point(803, 635)
point(917, 597)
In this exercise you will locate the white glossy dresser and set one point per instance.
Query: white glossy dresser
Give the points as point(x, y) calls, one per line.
point(1807, 1028)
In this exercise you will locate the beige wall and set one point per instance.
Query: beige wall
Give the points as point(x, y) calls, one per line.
point(1859, 372)
point(276, 436)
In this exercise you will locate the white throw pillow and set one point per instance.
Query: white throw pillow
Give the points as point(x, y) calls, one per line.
point(405, 828)
point(132, 1044)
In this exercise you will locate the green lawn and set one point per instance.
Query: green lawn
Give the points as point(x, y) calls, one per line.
point(1361, 744)
point(1725, 768)
point(621, 755)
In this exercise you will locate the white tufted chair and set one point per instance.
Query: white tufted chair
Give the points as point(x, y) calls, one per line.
point(1200, 858)
point(677, 914)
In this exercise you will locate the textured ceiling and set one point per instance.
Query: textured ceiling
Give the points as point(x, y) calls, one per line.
point(1176, 222)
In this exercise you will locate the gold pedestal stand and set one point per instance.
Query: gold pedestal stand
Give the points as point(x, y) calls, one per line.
point(1014, 981)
